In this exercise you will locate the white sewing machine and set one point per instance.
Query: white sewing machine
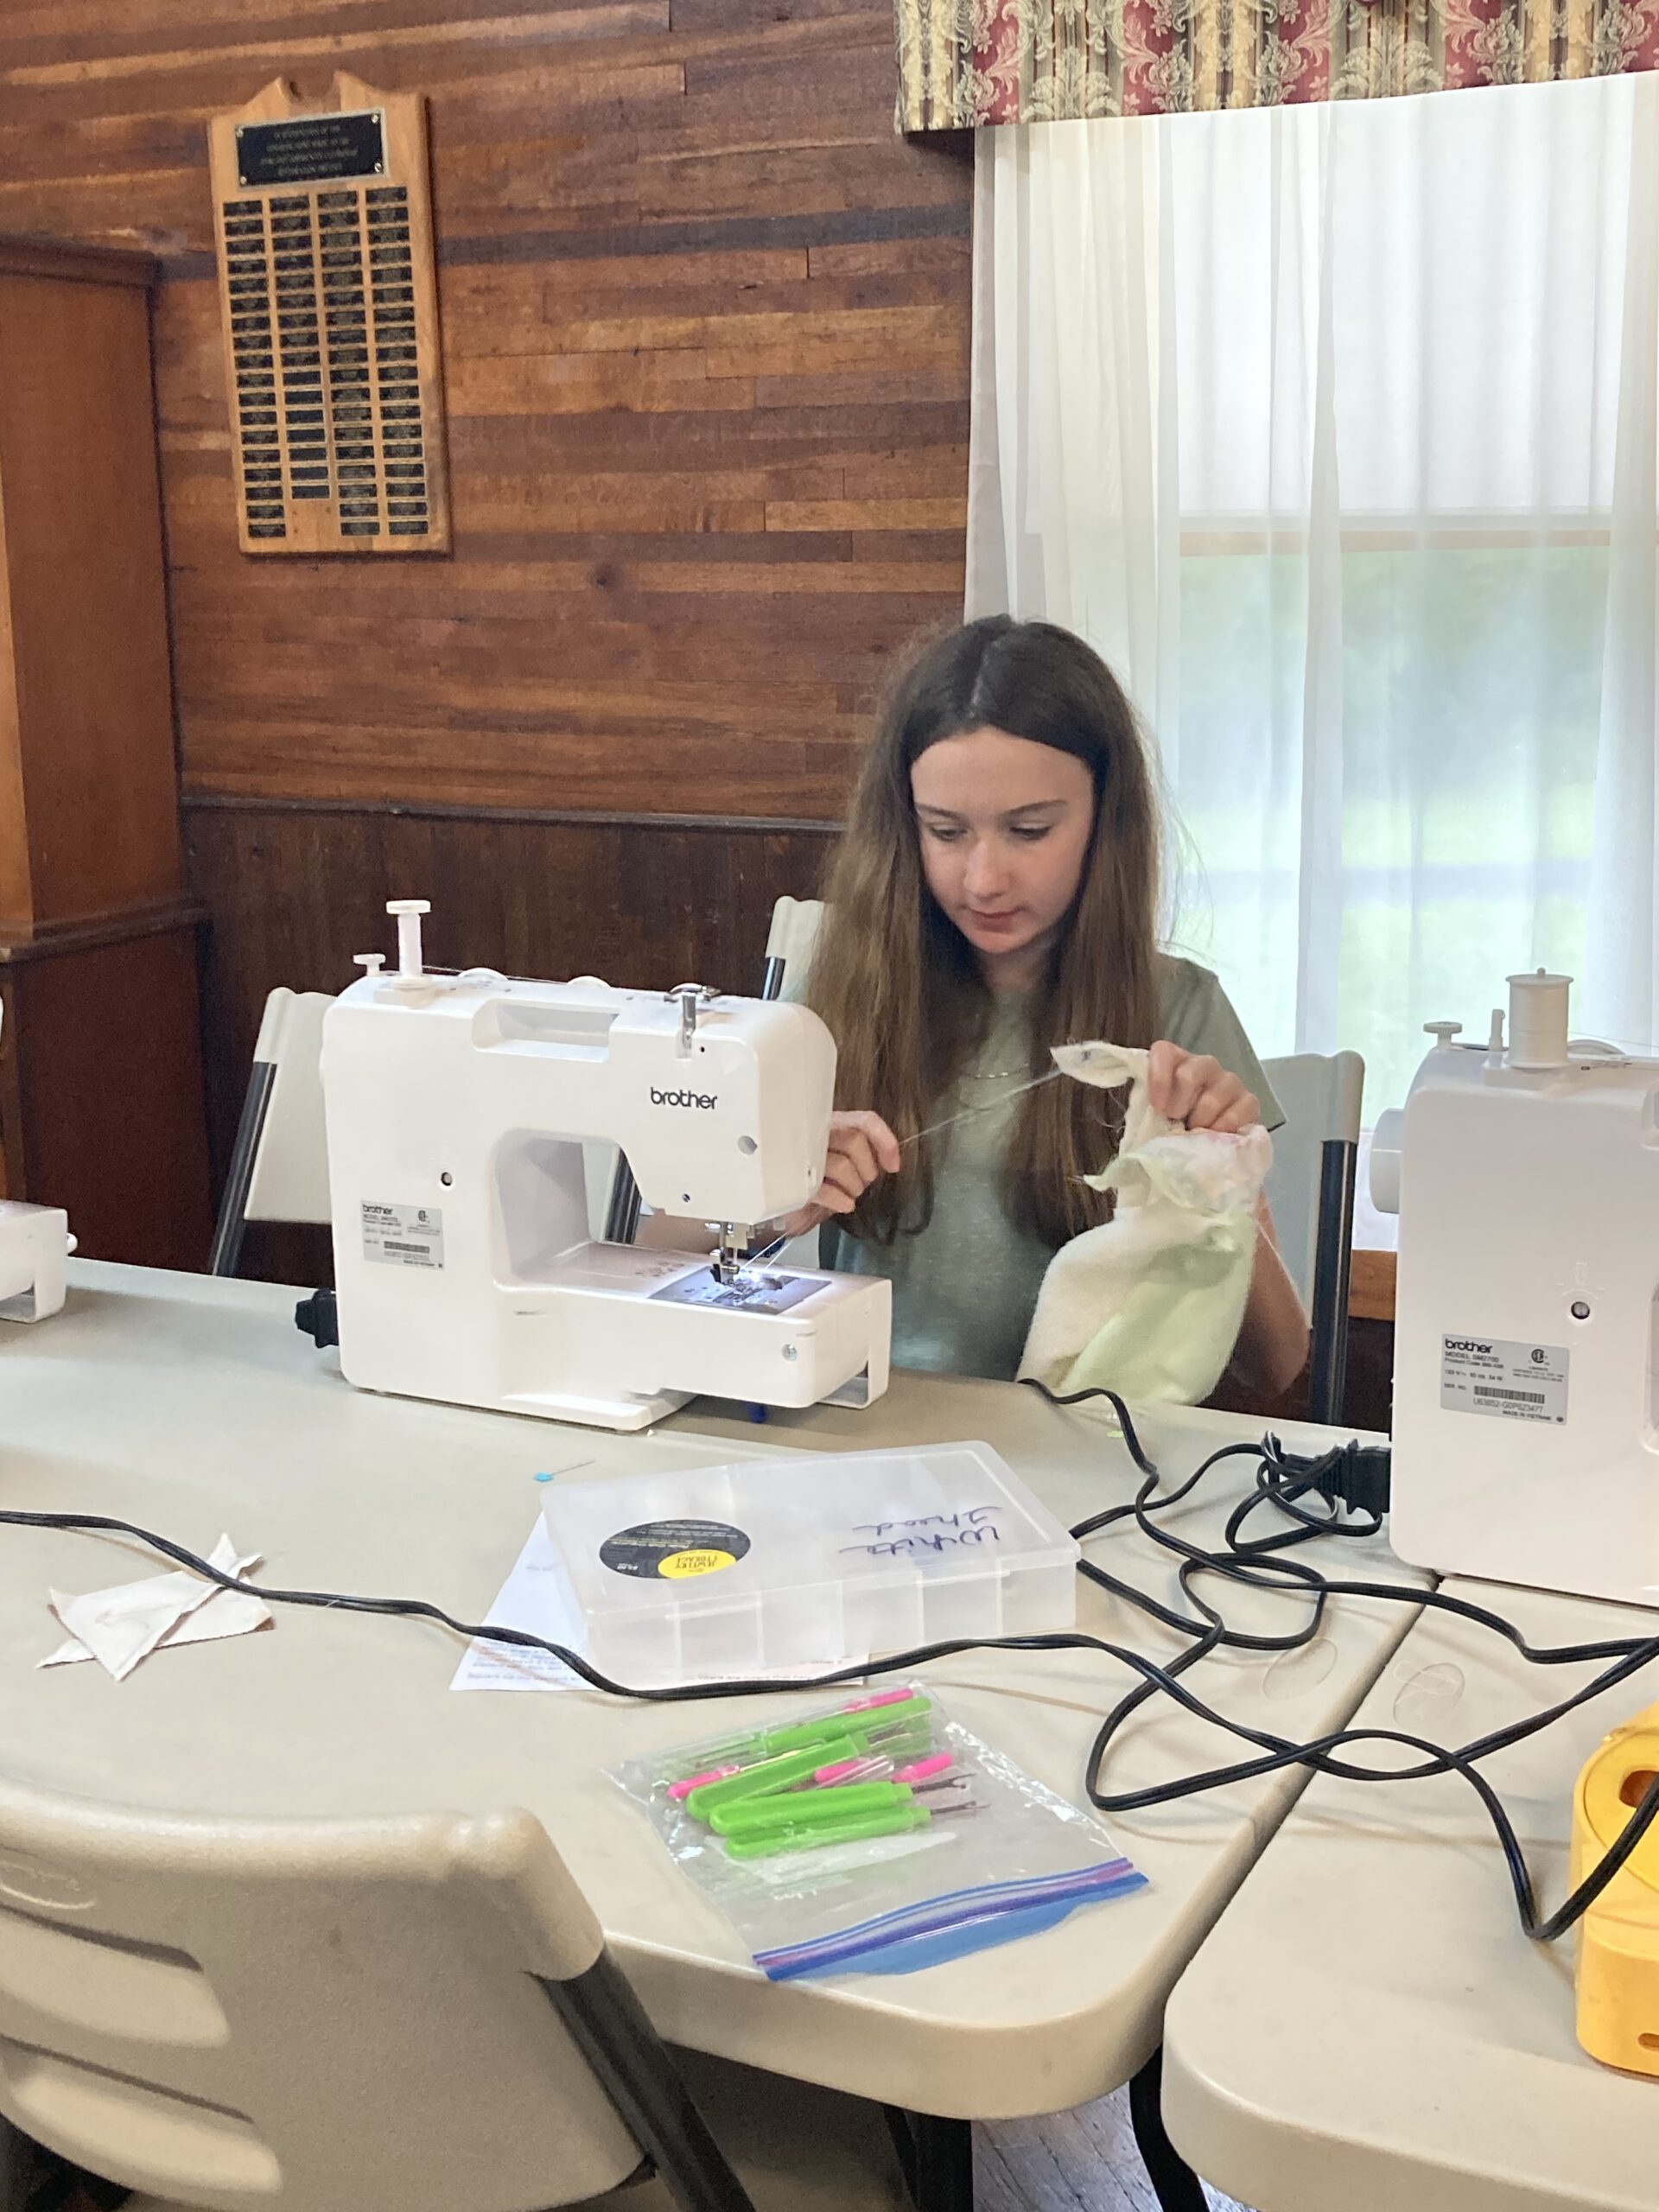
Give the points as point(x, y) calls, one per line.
point(34, 1248)
point(1526, 1392)
point(457, 1108)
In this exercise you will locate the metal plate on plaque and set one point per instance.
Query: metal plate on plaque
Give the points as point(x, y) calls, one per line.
point(307, 148)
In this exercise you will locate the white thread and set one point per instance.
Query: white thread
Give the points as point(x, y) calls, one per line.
point(1538, 1020)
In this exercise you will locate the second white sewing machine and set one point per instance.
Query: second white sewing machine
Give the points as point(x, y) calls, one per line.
point(1526, 1381)
point(458, 1108)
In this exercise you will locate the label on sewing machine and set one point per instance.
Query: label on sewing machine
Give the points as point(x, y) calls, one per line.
point(1508, 1382)
point(403, 1236)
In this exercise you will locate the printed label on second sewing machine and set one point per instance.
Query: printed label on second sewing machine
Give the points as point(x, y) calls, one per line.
point(403, 1236)
point(1505, 1381)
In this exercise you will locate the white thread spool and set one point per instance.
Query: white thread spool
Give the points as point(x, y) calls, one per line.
point(1538, 1020)
point(408, 912)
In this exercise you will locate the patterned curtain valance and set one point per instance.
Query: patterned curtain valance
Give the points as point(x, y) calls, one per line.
point(968, 63)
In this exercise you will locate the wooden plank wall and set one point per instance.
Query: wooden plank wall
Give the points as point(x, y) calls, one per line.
point(706, 338)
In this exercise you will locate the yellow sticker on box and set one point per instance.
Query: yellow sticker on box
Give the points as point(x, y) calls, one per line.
point(680, 1567)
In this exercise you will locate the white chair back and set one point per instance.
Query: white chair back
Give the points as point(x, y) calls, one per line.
point(301, 2014)
point(789, 954)
point(289, 1181)
point(789, 946)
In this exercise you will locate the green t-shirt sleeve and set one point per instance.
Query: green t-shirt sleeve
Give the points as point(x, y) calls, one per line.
point(1198, 1016)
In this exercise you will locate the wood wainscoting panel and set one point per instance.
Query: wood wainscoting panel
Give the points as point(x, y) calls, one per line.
point(101, 1088)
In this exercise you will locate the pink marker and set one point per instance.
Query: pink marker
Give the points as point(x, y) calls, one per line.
point(676, 1791)
point(883, 1697)
point(923, 1770)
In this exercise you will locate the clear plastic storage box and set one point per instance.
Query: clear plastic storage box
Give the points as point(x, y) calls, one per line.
point(808, 1560)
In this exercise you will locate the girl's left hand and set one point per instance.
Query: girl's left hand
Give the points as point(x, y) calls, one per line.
point(1191, 1087)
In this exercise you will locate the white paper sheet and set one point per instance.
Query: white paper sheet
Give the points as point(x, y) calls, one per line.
point(531, 1598)
point(123, 1624)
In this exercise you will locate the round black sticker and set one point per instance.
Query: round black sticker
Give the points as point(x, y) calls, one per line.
point(674, 1551)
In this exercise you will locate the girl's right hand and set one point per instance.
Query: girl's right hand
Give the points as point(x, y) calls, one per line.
point(861, 1148)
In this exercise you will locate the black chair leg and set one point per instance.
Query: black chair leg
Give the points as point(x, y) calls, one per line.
point(34, 2180)
point(1175, 2185)
point(1328, 1308)
point(232, 1225)
point(622, 1212)
point(610, 2027)
point(936, 2158)
point(18, 2167)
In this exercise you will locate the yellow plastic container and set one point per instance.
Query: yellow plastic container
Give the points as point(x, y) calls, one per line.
point(1619, 1941)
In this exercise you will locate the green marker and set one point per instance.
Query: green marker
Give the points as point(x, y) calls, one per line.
point(767, 1776)
point(864, 1721)
point(808, 1808)
point(865, 1718)
point(772, 1843)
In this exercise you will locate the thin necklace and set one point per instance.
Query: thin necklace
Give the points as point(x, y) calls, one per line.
point(992, 1075)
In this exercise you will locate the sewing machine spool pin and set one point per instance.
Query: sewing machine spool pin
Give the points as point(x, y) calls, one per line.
point(691, 998)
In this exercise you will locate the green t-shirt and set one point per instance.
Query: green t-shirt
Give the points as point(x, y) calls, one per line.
point(964, 1287)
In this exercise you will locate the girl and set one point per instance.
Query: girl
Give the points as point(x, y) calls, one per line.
point(996, 892)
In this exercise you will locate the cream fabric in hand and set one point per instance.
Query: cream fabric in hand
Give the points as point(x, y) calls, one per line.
point(1149, 1304)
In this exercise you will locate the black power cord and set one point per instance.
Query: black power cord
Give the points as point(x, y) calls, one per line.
point(1311, 1494)
point(1313, 1497)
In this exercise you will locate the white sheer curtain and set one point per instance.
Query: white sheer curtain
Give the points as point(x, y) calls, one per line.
point(1335, 429)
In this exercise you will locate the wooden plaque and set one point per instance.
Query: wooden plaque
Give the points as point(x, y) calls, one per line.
point(330, 311)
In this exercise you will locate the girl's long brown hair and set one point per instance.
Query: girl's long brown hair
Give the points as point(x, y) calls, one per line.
point(898, 984)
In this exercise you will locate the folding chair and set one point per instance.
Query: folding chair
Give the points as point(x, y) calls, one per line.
point(406, 2014)
point(279, 1166)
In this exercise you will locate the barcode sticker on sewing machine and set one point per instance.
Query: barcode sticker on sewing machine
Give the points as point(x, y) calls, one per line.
point(1508, 1382)
point(403, 1236)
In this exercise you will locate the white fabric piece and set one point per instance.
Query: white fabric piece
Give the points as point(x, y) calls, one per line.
point(123, 1624)
point(1335, 428)
point(1149, 1304)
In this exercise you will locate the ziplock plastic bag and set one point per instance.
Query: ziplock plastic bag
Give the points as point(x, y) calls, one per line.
point(985, 1854)
point(1149, 1304)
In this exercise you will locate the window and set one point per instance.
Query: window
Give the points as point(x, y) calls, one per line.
point(1335, 429)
